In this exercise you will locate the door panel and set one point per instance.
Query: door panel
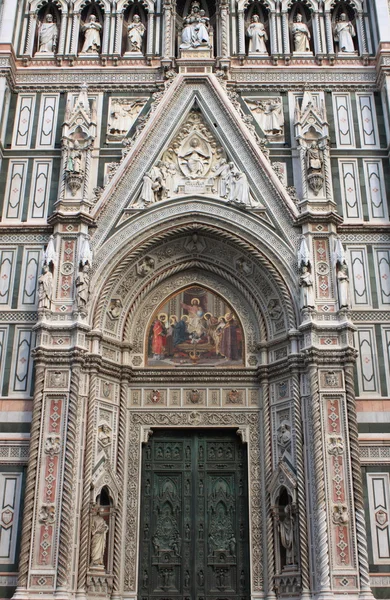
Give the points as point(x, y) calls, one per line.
point(194, 517)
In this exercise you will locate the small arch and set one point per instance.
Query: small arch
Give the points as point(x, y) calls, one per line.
point(260, 8)
point(300, 9)
point(54, 9)
point(89, 9)
point(347, 9)
point(132, 9)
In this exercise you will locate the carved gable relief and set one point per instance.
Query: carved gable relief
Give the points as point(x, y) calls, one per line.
point(122, 113)
point(195, 163)
point(268, 112)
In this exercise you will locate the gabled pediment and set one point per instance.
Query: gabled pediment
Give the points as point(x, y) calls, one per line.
point(197, 135)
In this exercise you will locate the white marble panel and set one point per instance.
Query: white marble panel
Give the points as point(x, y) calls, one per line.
point(40, 189)
point(342, 110)
point(367, 120)
point(367, 363)
point(375, 190)
point(23, 121)
point(14, 193)
point(47, 121)
point(10, 487)
point(378, 485)
point(359, 277)
point(7, 258)
point(350, 190)
point(31, 265)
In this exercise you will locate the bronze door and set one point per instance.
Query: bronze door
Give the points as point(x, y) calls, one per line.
point(194, 517)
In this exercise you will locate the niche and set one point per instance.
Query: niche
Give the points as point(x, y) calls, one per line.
point(91, 29)
point(47, 33)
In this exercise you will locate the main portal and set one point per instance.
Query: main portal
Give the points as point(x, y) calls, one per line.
point(194, 539)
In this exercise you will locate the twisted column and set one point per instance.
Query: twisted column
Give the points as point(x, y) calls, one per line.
point(67, 512)
point(361, 537)
point(268, 473)
point(285, 33)
point(362, 31)
point(75, 33)
point(224, 31)
point(118, 33)
point(329, 33)
point(150, 34)
point(167, 28)
point(120, 469)
point(322, 551)
point(87, 477)
point(301, 491)
point(31, 482)
point(30, 34)
point(106, 32)
point(61, 44)
point(317, 30)
point(241, 33)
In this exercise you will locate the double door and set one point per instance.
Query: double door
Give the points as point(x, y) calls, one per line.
point(194, 517)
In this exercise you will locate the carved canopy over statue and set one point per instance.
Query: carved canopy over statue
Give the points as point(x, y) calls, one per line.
point(195, 32)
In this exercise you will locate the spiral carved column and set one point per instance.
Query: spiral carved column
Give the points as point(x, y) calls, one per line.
point(322, 538)
point(357, 485)
point(268, 473)
point(29, 496)
point(87, 476)
point(301, 491)
point(120, 469)
point(68, 491)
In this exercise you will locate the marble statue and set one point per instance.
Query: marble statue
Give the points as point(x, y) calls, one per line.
point(343, 285)
point(99, 530)
point(257, 36)
point(91, 31)
point(195, 33)
point(284, 435)
point(135, 34)
point(286, 528)
point(48, 35)
point(45, 288)
point(239, 188)
point(223, 171)
point(314, 158)
point(306, 285)
point(344, 31)
point(74, 159)
point(82, 287)
point(301, 35)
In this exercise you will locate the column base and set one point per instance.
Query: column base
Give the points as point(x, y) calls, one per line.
point(366, 595)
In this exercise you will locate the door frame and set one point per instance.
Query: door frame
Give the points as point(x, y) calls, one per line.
point(141, 424)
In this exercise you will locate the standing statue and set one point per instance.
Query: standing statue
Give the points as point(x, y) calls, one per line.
point(301, 35)
point(314, 158)
point(99, 530)
point(82, 288)
point(239, 188)
point(306, 285)
point(135, 34)
point(344, 31)
point(74, 159)
point(45, 288)
point(343, 284)
point(286, 528)
point(48, 35)
point(257, 36)
point(91, 32)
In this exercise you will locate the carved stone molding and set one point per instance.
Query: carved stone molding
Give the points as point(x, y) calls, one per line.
point(139, 425)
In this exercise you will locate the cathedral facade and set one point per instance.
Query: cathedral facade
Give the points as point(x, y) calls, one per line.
point(194, 291)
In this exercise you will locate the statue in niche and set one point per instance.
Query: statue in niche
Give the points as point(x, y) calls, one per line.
point(284, 435)
point(99, 529)
point(82, 288)
point(286, 528)
point(135, 34)
point(344, 31)
point(306, 285)
point(74, 159)
point(195, 33)
point(91, 32)
point(104, 435)
point(343, 284)
point(48, 36)
point(301, 35)
point(45, 288)
point(257, 36)
point(314, 164)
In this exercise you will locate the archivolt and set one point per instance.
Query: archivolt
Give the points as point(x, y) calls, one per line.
point(104, 292)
